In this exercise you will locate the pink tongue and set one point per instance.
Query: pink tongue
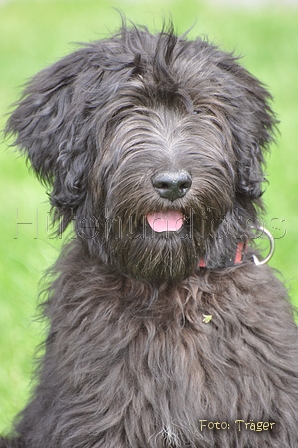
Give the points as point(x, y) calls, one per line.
point(165, 221)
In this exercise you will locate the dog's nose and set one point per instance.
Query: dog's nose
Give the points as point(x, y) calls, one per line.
point(172, 185)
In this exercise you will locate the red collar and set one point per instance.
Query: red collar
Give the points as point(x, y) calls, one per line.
point(239, 255)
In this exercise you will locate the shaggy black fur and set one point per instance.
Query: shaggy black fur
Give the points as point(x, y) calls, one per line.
point(129, 360)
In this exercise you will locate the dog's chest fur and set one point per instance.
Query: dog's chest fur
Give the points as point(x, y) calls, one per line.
point(168, 370)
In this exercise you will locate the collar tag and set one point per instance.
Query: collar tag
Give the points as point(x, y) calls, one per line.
point(241, 250)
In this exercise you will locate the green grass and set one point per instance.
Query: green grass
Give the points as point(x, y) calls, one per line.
point(33, 34)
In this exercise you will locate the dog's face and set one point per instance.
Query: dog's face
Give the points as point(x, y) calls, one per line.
point(167, 180)
point(153, 146)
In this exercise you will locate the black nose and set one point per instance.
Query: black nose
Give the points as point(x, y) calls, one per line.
point(172, 185)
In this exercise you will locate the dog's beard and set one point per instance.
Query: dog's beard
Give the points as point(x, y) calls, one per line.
point(160, 247)
point(155, 258)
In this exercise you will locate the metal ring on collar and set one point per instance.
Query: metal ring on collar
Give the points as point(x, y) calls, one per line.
point(271, 250)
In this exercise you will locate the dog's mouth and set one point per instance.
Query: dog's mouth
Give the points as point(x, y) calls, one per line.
point(165, 221)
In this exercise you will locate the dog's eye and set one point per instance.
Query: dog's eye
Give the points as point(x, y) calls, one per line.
point(203, 110)
point(199, 110)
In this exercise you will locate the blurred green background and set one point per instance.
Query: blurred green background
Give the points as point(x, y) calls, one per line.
point(36, 33)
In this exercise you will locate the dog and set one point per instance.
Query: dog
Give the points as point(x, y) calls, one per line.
point(166, 330)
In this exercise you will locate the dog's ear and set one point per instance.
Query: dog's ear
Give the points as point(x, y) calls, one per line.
point(252, 123)
point(47, 126)
point(258, 124)
point(253, 140)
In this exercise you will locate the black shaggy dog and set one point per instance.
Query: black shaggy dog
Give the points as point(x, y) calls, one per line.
point(164, 332)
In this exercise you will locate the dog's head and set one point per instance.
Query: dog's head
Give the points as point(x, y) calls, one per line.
point(153, 145)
